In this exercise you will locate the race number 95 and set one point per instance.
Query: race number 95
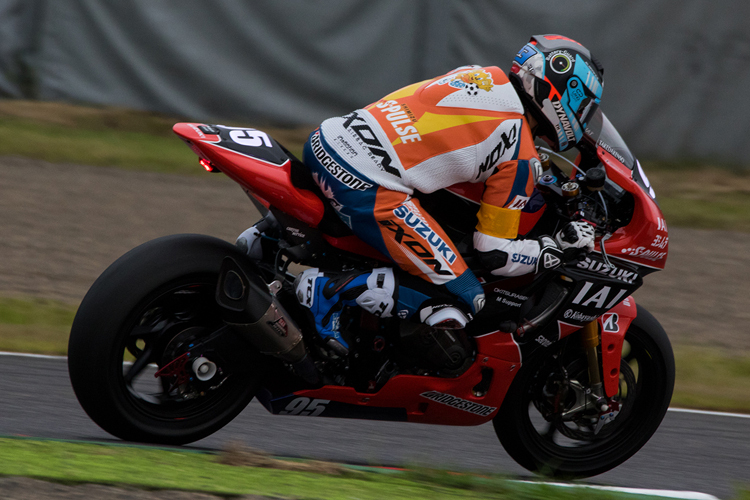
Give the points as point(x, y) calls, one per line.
point(306, 407)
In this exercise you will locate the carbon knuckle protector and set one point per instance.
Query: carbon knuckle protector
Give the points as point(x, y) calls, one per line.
point(550, 255)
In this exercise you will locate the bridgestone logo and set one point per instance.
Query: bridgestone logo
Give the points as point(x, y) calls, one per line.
point(333, 168)
point(458, 403)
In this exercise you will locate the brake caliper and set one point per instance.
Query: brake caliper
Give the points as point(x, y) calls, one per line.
point(176, 368)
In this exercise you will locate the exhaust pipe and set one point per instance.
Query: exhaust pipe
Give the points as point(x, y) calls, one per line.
point(253, 311)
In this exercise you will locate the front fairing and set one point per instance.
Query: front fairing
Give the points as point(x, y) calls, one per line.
point(644, 240)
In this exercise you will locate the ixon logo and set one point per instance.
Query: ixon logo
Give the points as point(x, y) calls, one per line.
point(368, 137)
point(506, 145)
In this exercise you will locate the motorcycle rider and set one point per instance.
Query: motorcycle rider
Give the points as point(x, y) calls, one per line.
point(473, 124)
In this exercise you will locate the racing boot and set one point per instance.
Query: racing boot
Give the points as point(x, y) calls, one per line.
point(448, 307)
point(326, 294)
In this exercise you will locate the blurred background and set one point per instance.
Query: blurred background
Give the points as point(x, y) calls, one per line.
point(676, 72)
point(89, 167)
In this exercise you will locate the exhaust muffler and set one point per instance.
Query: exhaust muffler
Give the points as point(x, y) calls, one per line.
point(252, 310)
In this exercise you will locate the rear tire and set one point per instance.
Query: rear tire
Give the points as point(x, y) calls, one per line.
point(550, 446)
point(145, 310)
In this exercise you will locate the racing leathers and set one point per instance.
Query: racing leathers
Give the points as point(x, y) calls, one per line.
point(465, 126)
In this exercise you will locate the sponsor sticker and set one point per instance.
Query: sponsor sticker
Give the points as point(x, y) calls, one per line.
point(609, 271)
point(364, 135)
point(609, 322)
point(579, 316)
point(458, 403)
point(422, 229)
point(561, 61)
point(507, 144)
point(337, 171)
point(402, 119)
point(564, 123)
point(471, 80)
point(643, 253)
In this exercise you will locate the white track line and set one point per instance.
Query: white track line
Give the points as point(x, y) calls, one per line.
point(676, 410)
point(687, 495)
point(706, 412)
point(27, 355)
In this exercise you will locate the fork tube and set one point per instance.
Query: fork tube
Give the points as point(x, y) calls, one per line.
point(590, 341)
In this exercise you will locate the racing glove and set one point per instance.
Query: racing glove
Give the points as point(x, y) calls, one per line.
point(576, 235)
point(505, 257)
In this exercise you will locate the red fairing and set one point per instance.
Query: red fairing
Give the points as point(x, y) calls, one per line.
point(270, 182)
point(645, 240)
point(614, 323)
point(433, 400)
point(447, 401)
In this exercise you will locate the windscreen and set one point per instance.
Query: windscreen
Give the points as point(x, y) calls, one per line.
point(601, 131)
point(604, 134)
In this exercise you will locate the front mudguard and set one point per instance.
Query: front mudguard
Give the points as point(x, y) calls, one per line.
point(613, 325)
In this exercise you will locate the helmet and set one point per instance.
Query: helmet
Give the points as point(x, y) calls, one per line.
point(560, 84)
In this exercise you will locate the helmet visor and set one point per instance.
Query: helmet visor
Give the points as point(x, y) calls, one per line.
point(586, 110)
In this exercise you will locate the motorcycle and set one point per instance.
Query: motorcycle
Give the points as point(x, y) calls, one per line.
point(178, 335)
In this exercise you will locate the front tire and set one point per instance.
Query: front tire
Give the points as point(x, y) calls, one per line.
point(146, 310)
point(530, 424)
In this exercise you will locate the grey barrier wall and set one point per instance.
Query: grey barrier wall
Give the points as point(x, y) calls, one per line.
point(676, 71)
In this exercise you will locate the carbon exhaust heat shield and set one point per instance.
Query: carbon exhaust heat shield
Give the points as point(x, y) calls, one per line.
point(254, 313)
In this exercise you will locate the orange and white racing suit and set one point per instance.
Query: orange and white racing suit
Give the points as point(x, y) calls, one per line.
point(465, 126)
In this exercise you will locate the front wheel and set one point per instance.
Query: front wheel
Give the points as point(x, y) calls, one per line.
point(148, 356)
point(546, 426)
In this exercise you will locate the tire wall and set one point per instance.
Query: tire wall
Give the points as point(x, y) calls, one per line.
point(675, 70)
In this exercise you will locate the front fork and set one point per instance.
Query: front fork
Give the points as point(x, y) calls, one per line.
point(608, 409)
point(590, 342)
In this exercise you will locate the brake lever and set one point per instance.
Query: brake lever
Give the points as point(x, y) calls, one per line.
point(604, 252)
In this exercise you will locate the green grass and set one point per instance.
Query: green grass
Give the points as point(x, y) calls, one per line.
point(707, 198)
point(152, 468)
point(61, 144)
point(106, 136)
point(712, 379)
point(35, 325)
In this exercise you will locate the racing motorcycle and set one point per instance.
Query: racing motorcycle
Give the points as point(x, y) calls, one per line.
point(178, 335)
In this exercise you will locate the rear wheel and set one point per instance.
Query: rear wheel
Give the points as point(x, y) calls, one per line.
point(548, 425)
point(143, 355)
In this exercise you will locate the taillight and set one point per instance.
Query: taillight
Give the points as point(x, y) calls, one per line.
point(208, 165)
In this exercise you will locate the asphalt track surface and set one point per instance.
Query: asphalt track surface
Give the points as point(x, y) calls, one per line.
point(690, 451)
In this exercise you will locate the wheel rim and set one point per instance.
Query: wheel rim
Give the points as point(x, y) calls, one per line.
point(162, 329)
point(575, 440)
